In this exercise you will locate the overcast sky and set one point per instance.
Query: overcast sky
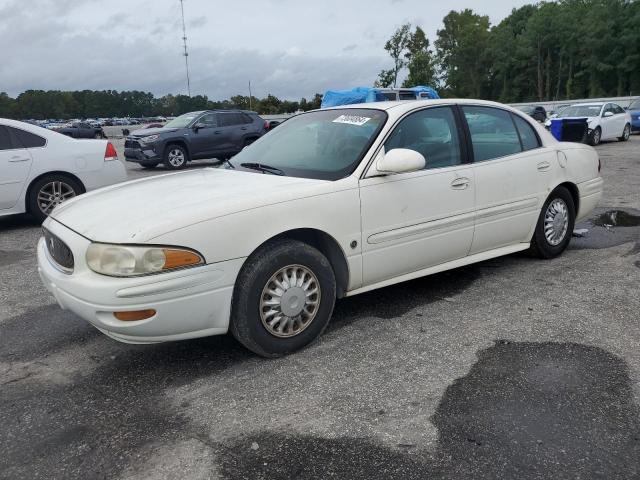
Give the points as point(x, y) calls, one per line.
point(290, 48)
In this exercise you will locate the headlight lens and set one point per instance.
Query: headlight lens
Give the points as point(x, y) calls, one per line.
point(130, 261)
point(149, 139)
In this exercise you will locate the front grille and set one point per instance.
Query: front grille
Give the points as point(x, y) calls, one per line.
point(131, 143)
point(59, 252)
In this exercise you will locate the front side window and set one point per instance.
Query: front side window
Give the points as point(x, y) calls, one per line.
point(528, 136)
point(431, 132)
point(27, 139)
point(324, 144)
point(209, 120)
point(493, 133)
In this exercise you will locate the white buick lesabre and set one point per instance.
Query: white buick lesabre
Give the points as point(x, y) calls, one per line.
point(330, 204)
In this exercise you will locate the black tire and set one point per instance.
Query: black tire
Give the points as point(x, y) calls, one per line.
point(626, 133)
point(41, 187)
point(149, 165)
point(541, 247)
point(172, 157)
point(596, 137)
point(98, 135)
point(247, 324)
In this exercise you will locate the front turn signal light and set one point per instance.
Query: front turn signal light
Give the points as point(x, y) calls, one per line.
point(134, 315)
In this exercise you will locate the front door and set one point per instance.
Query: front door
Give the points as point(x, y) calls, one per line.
point(15, 164)
point(415, 220)
point(205, 139)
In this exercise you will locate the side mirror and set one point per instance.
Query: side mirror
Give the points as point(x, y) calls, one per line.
point(400, 160)
point(197, 126)
point(608, 114)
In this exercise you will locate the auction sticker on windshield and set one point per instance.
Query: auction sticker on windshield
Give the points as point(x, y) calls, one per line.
point(352, 119)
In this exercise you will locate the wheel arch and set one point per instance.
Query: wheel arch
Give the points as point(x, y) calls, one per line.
point(176, 141)
point(46, 174)
point(327, 245)
point(575, 194)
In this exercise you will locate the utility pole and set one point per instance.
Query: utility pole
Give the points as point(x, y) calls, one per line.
point(249, 94)
point(184, 42)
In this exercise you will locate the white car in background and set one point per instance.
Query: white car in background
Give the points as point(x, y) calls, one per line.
point(607, 121)
point(40, 168)
point(332, 203)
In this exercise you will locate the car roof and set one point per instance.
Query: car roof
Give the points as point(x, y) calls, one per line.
point(400, 106)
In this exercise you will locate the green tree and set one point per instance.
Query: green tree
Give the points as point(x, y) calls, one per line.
point(396, 47)
point(419, 60)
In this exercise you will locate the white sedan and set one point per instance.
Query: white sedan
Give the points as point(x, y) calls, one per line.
point(330, 204)
point(606, 121)
point(39, 168)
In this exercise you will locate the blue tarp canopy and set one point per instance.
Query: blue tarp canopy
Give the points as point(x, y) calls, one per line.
point(334, 98)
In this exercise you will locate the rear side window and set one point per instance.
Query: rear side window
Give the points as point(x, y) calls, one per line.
point(230, 119)
point(528, 136)
point(6, 142)
point(493, 133)
point(27, 139)
point(246, 118)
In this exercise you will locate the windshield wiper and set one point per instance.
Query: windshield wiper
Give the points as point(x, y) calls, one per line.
point(261, 167)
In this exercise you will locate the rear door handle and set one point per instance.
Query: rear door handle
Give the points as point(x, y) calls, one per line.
point(460, 183)
point(17, 158)
point(243, 128)
point(217, 132)
point(544, 166)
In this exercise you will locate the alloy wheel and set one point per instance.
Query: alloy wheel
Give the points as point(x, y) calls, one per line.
point(53, 194)
point(176, 157)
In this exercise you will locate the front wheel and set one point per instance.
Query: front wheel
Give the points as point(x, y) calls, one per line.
point(283, 298)
point(175, 157)
point(49, 192)
point(625, 133)
point(555, 225)
point(596, 137)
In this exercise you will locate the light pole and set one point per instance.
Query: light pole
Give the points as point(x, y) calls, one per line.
point(184, 42)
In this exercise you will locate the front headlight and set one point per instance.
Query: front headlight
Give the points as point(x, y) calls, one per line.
point(131, 261)
point(149, 139)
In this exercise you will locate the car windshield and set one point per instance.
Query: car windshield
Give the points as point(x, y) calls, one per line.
point(635, 105)
point(182, 121)
point(581, 111)
point(324, 144)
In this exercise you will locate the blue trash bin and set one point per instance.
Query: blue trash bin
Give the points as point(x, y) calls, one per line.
point(556, 128)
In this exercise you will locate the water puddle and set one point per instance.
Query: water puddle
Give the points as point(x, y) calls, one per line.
point(617, 218)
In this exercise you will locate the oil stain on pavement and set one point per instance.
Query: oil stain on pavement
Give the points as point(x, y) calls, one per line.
point(525, 411)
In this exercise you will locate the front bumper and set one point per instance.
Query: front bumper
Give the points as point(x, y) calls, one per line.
point(135, 151)
point(189, 303)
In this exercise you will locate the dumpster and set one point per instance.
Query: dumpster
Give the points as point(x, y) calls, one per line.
point(569, 129)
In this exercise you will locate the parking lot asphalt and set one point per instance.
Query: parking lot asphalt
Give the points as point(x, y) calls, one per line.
point(511, 368)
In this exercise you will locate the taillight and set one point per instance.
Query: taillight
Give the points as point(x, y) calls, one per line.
point(110, 153)
point(266, 125)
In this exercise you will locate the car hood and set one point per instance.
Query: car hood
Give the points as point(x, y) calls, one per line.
point(143, 132)
point(140, 210)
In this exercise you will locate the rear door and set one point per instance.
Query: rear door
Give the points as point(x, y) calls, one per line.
point(15, 164)
point(512, 171)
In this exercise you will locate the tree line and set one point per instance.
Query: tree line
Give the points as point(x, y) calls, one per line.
point(55, 104)
point(548, 51)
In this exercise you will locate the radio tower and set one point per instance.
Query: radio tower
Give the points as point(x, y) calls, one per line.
point(184, 42)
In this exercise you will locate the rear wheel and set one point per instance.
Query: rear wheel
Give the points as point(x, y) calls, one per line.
point(175, 157)
point(50, 191)
point(283, 298)
point(625, 133)
point(555, 225)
